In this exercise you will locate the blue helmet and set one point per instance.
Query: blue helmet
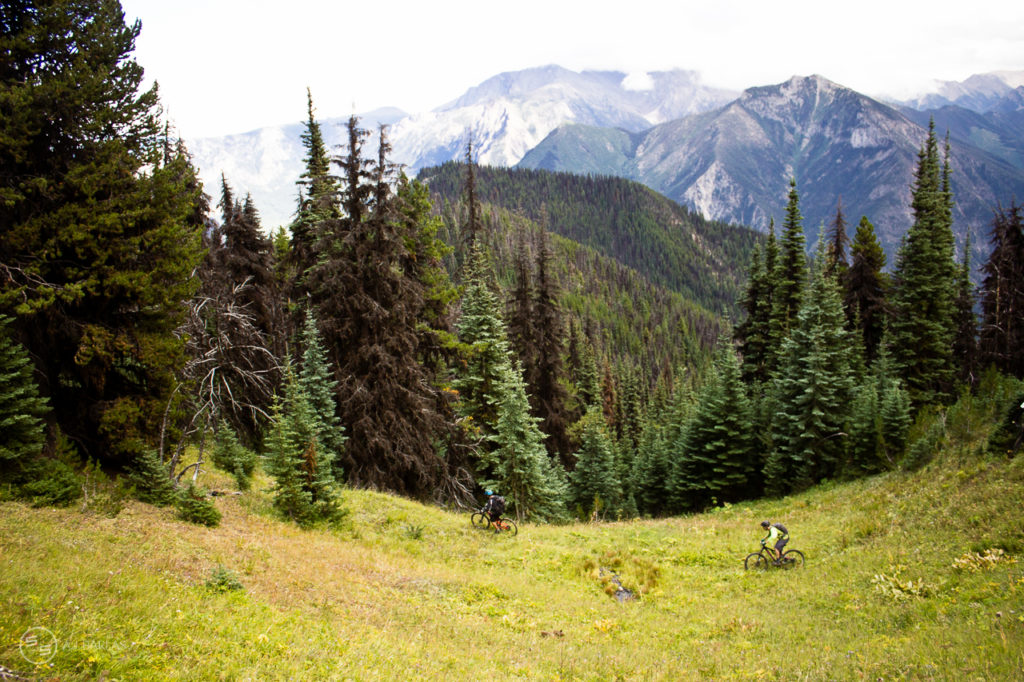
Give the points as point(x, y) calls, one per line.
point(488, 493)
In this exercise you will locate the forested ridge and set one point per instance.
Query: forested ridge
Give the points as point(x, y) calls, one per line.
point(582, 345)
point(704, 260)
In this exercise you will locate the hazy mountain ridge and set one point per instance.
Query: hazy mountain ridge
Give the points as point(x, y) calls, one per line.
point(734, 164)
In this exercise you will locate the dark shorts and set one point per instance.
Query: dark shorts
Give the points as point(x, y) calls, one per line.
point(780, 544)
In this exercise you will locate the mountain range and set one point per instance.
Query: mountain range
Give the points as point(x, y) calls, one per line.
point(727, 155)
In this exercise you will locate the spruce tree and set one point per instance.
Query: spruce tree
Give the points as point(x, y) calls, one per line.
point(923, 319)
point(22, 409)
point(488, 353)
point(317, 382)
point(596, 489)
point(813, 390)
point(101, 223)
point(866, 287)
point(547, 378)
point(318, 197)
point(965, 322)
point(790, 273)
point(306, 488)
point(532, 482)
point(719, 456)
point(835, 254)
point(388, 401)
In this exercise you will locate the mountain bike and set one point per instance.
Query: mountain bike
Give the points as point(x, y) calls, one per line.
point(482, 520)
point(763, 560)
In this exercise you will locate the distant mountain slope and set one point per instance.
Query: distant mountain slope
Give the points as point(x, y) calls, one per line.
point(980, 92)
point(734, 164)
point(511, 113)
point(1000, 132)
point(705, 261)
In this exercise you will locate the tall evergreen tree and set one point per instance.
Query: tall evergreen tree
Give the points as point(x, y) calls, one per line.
point(719, 457)
point(316, 381)
point(596, 488)
point(754, 333)
point(790, 272)
point(866, 287)
point(488, 355)
point(1002, 295)
point(318, 195)
point(547, 378)
point(387, 399)
point(100, 230)
point(965, 340)
point(835, 254)
point(813, 390)
point(22, 409)
point(523, 473)
point(925, 283)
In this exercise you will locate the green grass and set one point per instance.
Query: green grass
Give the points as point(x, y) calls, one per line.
point(903, 581)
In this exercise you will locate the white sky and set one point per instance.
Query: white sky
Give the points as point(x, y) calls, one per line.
point(229, 66)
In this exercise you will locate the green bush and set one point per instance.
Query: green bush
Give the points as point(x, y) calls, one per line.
point(233, 457)
point(103, 495)
point(1008, 438)
point(224, 580)
point(152, 481)
point(45, 482)
point(194, 506)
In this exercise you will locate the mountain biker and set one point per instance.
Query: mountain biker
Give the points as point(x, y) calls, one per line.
point(778, 536)
point(495, 505)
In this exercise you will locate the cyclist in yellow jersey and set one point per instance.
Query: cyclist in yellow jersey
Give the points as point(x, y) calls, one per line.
point(777, 538)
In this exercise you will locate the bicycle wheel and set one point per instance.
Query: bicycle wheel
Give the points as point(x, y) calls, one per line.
point(755, 562)
point(479, 520)
point(794, 558)
point(508, 526)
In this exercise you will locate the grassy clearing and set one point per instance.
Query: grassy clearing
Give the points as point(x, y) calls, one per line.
point(904, 580)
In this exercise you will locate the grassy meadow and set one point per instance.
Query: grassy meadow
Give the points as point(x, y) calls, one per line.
point(909, 576)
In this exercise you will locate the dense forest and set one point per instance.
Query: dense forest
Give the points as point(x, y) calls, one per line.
point(565, 341)
point(673, 246)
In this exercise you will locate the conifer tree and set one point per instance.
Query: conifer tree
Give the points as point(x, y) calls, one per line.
point(547, 378)
point(596, 488)
point(22, 409)
point(922, 324)
point(388, 402)
point(1001, 340)
point(965, 340)
point(306, 488)
point(488, 355)
point(520, 316)
point(813, 389)
point(719, 457)
point(317, 382)
point(532, 482)
point(790, 273)
point(866, 287)
point(318, 196)
point(835, 254)
point(100, 227)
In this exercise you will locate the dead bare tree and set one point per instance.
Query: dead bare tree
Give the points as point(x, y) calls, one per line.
point(231, 374)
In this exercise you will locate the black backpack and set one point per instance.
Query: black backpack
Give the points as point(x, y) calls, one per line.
point(496, 505)
point(782, 528)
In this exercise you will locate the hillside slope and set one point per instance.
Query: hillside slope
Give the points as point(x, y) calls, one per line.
point(904, 580)
point(672, 246)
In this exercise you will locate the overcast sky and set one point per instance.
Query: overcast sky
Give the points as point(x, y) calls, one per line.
point(229, 66)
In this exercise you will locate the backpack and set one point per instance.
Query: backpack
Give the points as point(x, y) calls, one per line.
point(782, 528)
point(496, 505)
